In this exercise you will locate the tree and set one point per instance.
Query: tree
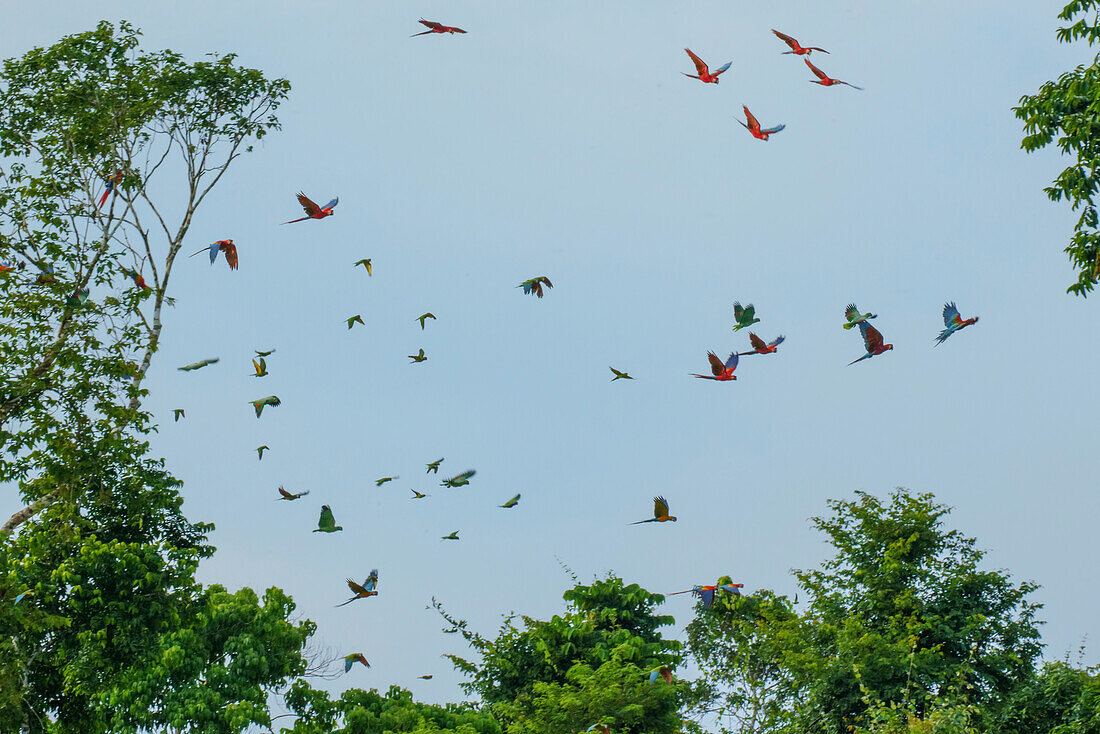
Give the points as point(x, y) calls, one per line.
point(1068, 109)
point(369, 712)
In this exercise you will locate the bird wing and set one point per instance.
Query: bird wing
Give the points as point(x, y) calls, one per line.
point(660, 507)
point(431, 24)
point(652, 678)
point(707, 595)
point(326, 520)
point(756, 342)
point(700, 66)
point(737, 311)
point(818, 72)
point(872, 338)
point(754, 124)
point(286, 494)
point(723, 69)
point(372, 581)
point(230, 251)
point(951, 315)
point(356, 588)
point(750, 311)
point(309, 205)
point(731, 361)
point(546, 281)
point(716, 366)
point(777, 341)
point(787, 40)
point(332, 203)
point(775, 129)
point(851, 313)
point(214, 248)
point(512, 502)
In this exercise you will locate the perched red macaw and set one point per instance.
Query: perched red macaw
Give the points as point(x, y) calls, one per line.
point(136, 277)
point(795, 47)
point(723, 372)
point(823, 79)
point(872, 341)
point(312, 210)
point(759, 347)
point(112, 181)
point(225, 246)
point(434, 27)
point(754, 126)
point(703, 72)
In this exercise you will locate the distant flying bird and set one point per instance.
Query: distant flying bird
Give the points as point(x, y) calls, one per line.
point(723, 372)
point(452, 536)
point(312, 210)
point(511, 503)
point(434, 27)
point(136, 277)
point(289, 497)
point(22, 595)
point(199, 365)
point(365, 262)
point(953, 321)
point(367, 590)
point(744, 316)
point(735, 589)
point(417, 495)
point(260, 367)
point(702, 72)
point(854, 317)
point(754, 128)
point(823, 78)
point(434, 466)
point(872, 341)
point(418, 357)
point(177, 414)
point(326, 523)
point(383, 480)
point(225, 246)
point(424, 317)
point(268, 353)
point(260, 451)
point(355, 657)
point(535, 285)
point(795, 47)
point(111, 182)
point(271, 400)
point(759, 347)
point(424, 677)
point(706, 593)
point(660, 512)
point(356, 319)
point(619, 375)
point(662, 672)
point(460, 480)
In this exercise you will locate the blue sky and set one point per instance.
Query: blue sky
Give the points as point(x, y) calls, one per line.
point(560, 139)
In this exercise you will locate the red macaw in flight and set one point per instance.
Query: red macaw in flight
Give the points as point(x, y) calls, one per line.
point(796, 49)
point(225, 246)
point(953, 321)
point(754, 126)
point(872, 341)
point(434, 27)
point(312, 210)
point(706, 593)
point(703, 72)
point(823, 79)
point(112, 181)
point(355, 657)
point(759, 347)
point(723, 372)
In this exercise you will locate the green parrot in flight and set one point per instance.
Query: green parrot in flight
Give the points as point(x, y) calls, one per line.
point(198, 365)
point(352, 321)
point(418, 357)
point(424, 317)
point(460, 480)
point(452, 536)
point(619, 375)
point(268, 353)
point(417, 495)
point(744, 316)
point(271, 400)
point(511, 503)
point(854, 317)
point(261, 449)
point(327, 523)
point(434, 466)
point(383, 480)
point(178, 413)
point(424, 677)
point(365, 262)
point(260, 367)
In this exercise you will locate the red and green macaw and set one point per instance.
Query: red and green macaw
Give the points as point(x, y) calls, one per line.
point(434, 27)
point(355, 657)
point(534, 285)
point(367, 590)
point(23, 595)
point(796, 49)
point(823, 79)
point(754, 128)
point(112, 181)
point(854, 317)
point(225, 246)
point(703, 72)
point(135, 276)
point(759, 347)
point(953, 321)
point(312, 210)
point(660, 512)
point(872, 342)
point(721, 371)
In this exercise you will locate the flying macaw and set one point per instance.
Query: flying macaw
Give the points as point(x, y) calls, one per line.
point(619, 375)
point(734, 589)
point(22, 595)
point(271, 400)
point(260, 367)
point(225, 246)
point(823, 78)
point(356, 319)
point(721, 372)
point(460, 480)
point(855, 317)
point(511, 503)
point(702, 72)
point(953, 321)
point(417, 495)
point(111, 182)
point(383, 480)
point(434, 466)
point(355, 657)
point(326, 523)
point(365, 262)
point(754, 128)
point(367, 590)
point(289, 497)
point(312, 210)
point(260, 451)
point(599, 729)
point(660, 512)
point(199, 365)
point(535, 285)
point(452, 536)
point(872, 341)
point(423, 317)
point(268, 353)
point(178, 413)
point(706, 593)
point(744, 316)
point(796, 49)
point(136, 277)
point(759, 347)
point(418, 357)
point(662, 672)
point(434, 27)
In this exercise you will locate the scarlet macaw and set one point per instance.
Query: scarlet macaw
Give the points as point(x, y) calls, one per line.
point(367, 590)
point(259, 405)
point(225, 246)
point(112, 181)
point(754, 128)
point(312, 210)
point(795, 47)
point(872, 341)
point(703, 72)
point(22, 595)
point(723, 372)
point(619, 375)
point(660, 512)
point(706, 593)
point(327, 522)
point(355, 657)
point(953, 321)
point(744, 316)
point(534, 285)
point(759, 347)
point(854, 317)
point(823, 78)
point(136, 277)
point(434, 27)
point(418, 357)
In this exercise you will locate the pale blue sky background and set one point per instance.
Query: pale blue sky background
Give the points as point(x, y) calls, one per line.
point(559, 138)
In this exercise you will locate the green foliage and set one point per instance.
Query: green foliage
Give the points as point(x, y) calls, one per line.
point(1059, 699)
point(1069, 109)
point(369, 712)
